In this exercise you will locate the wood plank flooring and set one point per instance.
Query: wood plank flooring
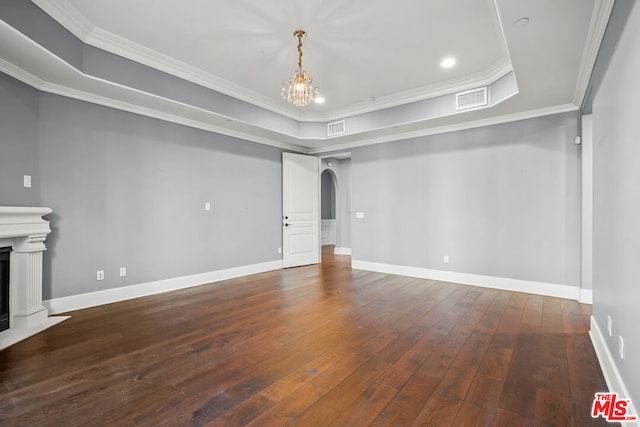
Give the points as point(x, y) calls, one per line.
point(310, 346)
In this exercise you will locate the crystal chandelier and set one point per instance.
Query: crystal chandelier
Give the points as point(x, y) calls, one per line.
point(299, 90)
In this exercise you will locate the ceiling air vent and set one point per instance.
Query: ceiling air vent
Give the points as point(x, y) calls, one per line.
point(335, 128)
point(471, 99)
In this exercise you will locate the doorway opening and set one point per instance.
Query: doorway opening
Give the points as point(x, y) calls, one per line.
point(335, 204)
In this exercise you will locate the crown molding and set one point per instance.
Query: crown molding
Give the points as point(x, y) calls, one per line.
point(20, 74)
point(95, 90)
point(127, 49)
point(158, 113)
point(56, 89)
point(497, 71)
point(415, 95)
point(83, 87)
point(450, 128)
point(68, 16)
point(76, 23)
point(91, 89)
point(595, 34)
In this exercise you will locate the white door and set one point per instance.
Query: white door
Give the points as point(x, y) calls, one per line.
point(300, 210)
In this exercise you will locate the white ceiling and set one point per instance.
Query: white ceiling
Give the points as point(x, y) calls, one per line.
point(356, 49)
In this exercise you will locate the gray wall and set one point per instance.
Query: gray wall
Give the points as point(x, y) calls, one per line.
point(18, 143)
point(500, 201)
point(616, 202)
point(327, 196)
point(344, 233)
point(128, 190)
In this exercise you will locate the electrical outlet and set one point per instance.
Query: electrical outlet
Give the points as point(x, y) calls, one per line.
point(446, 259)
point(621, 347)
point(123, 271)
point(279, 250)
point(100, 275)
point(609, 326)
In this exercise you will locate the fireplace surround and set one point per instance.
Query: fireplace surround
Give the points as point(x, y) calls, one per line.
point(24, 231)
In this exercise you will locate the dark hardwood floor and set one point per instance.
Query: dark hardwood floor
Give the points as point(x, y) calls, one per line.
point(316, 345)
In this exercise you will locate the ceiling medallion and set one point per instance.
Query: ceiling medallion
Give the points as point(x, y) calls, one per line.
point(299, 90)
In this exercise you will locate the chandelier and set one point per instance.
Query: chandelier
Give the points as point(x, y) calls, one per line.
point(299, 90)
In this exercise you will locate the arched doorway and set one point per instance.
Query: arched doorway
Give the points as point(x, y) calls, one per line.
point(335, 197)
point(328, 208)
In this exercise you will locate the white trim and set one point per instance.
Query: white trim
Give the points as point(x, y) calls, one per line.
point(20, 74)
point(416, 95)
point(531, 287)
point(84, 87)
point(158, 112)
point(139, 102)
point(342, 251)
point(92, 299)
point(557, 109)
point(585, 296)
point(612, 376)
point(597, 26)
point(68, 16)
point(136, 101)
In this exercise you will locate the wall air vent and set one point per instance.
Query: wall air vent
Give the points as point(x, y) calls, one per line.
point(335, 128)
point(473, 98)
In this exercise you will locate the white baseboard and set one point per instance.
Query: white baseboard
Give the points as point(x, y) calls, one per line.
point(585, 296)
point(92, 299)
point(609, 369)
point(538, 288)
point(342, 251)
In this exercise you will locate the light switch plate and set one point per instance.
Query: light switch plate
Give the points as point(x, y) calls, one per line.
point(27, 181)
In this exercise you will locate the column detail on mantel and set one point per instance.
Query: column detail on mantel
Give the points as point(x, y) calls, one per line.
point(24, 230)
point(26, 268)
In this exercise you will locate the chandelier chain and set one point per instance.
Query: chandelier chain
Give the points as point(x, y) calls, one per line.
point(299, 89)
point(300, 50)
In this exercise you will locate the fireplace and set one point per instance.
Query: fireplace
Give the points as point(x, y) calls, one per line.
point(23, 232)
point(4, 288)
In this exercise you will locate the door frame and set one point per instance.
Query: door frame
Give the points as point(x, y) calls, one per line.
point(338, 189)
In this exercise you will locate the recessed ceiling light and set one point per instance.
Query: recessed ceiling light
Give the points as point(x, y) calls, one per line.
point(319, 99)
point(448, 62)
point(521, 22)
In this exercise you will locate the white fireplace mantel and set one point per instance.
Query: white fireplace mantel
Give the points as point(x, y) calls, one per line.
point(24, 231)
